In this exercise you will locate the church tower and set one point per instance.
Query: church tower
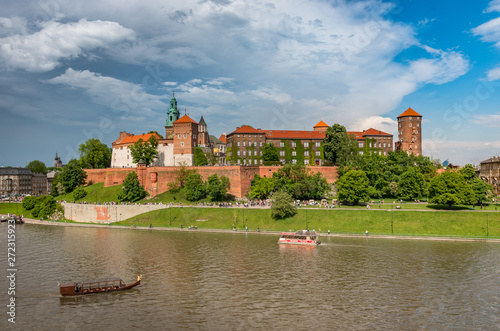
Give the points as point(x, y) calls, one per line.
point(410, 132)
point(203, 138)
point(173, 115)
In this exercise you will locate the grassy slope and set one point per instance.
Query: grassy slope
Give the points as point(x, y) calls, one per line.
point(339, 221)
point(104, 194)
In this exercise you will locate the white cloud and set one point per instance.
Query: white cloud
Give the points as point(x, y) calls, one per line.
point(490, 121)
point(123, 97)
point(489, 31)
point(385, 124)
point(493, 74)
point(43, 50)
point(13, 25)
point(493, 6)
point(169, 83)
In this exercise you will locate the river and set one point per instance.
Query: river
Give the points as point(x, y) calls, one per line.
point(235, 281)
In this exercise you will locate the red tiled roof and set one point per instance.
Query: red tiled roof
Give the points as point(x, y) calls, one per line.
point(246, 129)
point(185, 119)
point(374, 132)
point(133, 139)
point(409, 112)
point(321, 124)
point(357, 135)
point(291, 134)
point(223, 138)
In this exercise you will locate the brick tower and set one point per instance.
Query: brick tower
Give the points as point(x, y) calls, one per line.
point(410, 132)
point(185, 134)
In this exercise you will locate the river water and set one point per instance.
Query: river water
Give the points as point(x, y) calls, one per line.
point(234, 281)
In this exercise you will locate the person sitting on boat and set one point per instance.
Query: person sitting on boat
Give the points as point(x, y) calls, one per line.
point(139, 277)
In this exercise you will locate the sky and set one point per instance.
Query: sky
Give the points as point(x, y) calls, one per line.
point(74, 70)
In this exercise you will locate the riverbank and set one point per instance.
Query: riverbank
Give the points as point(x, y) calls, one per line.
point(267, 232)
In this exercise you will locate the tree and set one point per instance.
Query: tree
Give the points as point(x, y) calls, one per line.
point(144, 150)
point(217, 187)
point(44, 207)
point(482, 190)
point(352, 187)
point(340, 149)
point(29, 202)
point(132, 190)
point(199, 157)
point(450, 188)
point(72, 176)
point(156, 132)
point(270, 154)
point(37, 167)
point(94, 154)
point(411, 184)
point(195, 188)
point(468, 173)
point(261, 187)
point(282, 205)
point(79, 193)
point(299, 182)
point(181, 176)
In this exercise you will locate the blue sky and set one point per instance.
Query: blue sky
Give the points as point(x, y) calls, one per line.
point(73, 70)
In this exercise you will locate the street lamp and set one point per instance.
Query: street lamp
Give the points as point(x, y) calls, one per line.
point(487, 227)
point(307, 222)
point(392, 222)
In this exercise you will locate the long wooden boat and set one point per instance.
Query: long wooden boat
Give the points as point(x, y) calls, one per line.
point(97, 286)
point(303, 237)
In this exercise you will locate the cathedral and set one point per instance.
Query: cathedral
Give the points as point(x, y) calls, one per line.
point(176, 148)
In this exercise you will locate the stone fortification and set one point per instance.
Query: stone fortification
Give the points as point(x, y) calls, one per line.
point(155, 179)
point(105, 213)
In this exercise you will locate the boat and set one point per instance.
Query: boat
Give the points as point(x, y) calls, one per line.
point(97, 286)
point(302, 237)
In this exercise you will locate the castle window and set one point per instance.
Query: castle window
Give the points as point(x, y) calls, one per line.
point(238, 135)
point(384, 145)
point(318, 153)
point(360, 152)
point(282, 144)
point(294, 144)
point(244, 135)
point(238, 143)
point(254, 153)
point(294, 153)
point(238, 153)
point(260, 161)
point(306, 161)
point(306, 145)
point(410, 125)
point(238, 161)
point(244, 143)
point(360, 145)
point(182, 144)
point(260, 144)
point(379, 152)
point(282, 153)
point(306, 153)
point(260, 153)
point(418, 124)
point(318, 144)
point(184, 136)
point(244, 153)
point(294, 161)
point(179, 136)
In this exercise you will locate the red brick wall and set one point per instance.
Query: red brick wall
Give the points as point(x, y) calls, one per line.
point(240, 177)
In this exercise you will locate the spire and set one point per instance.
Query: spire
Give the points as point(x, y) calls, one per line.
point(202, 121)
point(173, 113)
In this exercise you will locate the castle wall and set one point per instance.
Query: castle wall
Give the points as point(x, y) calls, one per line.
point(156, 179)
point(105, 213)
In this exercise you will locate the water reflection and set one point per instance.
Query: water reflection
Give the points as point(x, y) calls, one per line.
point(234, 281)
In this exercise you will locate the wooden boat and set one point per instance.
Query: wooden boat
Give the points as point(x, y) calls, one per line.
point(302, 237)
point(97, 286)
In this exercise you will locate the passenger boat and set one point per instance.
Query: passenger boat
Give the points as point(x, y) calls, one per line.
point(302, 237)
point(97, 286)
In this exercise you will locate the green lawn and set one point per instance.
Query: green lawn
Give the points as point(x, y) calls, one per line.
point(453, 223)
point(95, 192)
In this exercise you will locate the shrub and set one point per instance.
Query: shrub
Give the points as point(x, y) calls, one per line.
point(79, 193)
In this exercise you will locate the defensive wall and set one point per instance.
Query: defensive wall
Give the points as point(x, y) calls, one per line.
point(156, 179)
point(105, 213)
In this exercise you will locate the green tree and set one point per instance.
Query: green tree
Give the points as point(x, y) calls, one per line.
point(44, 207)
point(299, 182)
point(144, 150)
point(282, 205)
point(94, 154)
point(482, 190)
point(79, 193)
point(261, 187)
point(340, 149)
point(270, 154)
point(37, 167)
point(181, 174)
point(156, 132)
point(72, 176)
point(217, 187)
point(195, 188)
point(450, 188)
point(411, 184)
point(352, 187)
point(29, 202)
point(132, 190)
point(199, 157)
point(467, 173)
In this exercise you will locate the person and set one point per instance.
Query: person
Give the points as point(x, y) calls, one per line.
point(328, 231)
point(367, 233)
point(368, 207)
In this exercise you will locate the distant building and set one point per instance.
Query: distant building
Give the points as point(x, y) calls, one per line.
point(219, 148)
point(182, 135)
point(21, 182)
point(57, 162)
point(245, 144)
point(490, 172)
point(410, 132)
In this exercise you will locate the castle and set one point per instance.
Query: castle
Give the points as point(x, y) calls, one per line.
point(182, 135)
